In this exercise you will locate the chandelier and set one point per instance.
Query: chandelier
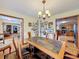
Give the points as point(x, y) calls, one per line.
point(44, 13)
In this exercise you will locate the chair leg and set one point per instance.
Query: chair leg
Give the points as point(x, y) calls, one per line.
point(4, 56)
point(9, 50)
point(17, 55)
point(30, 56)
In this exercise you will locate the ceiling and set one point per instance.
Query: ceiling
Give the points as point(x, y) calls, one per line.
point(31, 7)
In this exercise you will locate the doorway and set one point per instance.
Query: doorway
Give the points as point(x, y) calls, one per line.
point(68, 27)
point(12, 25)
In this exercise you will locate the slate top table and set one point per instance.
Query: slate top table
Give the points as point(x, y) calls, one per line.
point(48, 46)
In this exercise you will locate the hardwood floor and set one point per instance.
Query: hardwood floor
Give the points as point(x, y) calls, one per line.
point(13, 56)
point(1, 55)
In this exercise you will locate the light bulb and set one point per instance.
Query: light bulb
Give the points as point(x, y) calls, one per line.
point(47, 11)
point(39, 13)
point(44, 15)
point(49, 15)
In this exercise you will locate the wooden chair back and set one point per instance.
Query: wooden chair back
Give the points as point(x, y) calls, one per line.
point(62, 50)
point(17, 48)
point(20, 51)
point(63, 39)
point(29, 35)
point(15, 44)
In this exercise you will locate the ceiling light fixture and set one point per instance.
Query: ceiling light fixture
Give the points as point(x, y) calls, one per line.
point(45, 13)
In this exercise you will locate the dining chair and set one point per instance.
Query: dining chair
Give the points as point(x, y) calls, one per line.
point(21, 53)
point(71, 51)
point(29, 35)
point(71, 56)
point(62, 50)
point(15, 43)
point(31, 48)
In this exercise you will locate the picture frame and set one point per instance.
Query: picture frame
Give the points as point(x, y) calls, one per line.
point(29, 24)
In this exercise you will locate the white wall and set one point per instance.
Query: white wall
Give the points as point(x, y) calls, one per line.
point(27, 19)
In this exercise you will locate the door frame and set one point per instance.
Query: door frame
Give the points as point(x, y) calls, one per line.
point(77, 26)
point(22, 25)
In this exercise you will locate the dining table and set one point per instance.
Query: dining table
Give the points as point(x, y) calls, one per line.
point(4, 46)
point(53, 48)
